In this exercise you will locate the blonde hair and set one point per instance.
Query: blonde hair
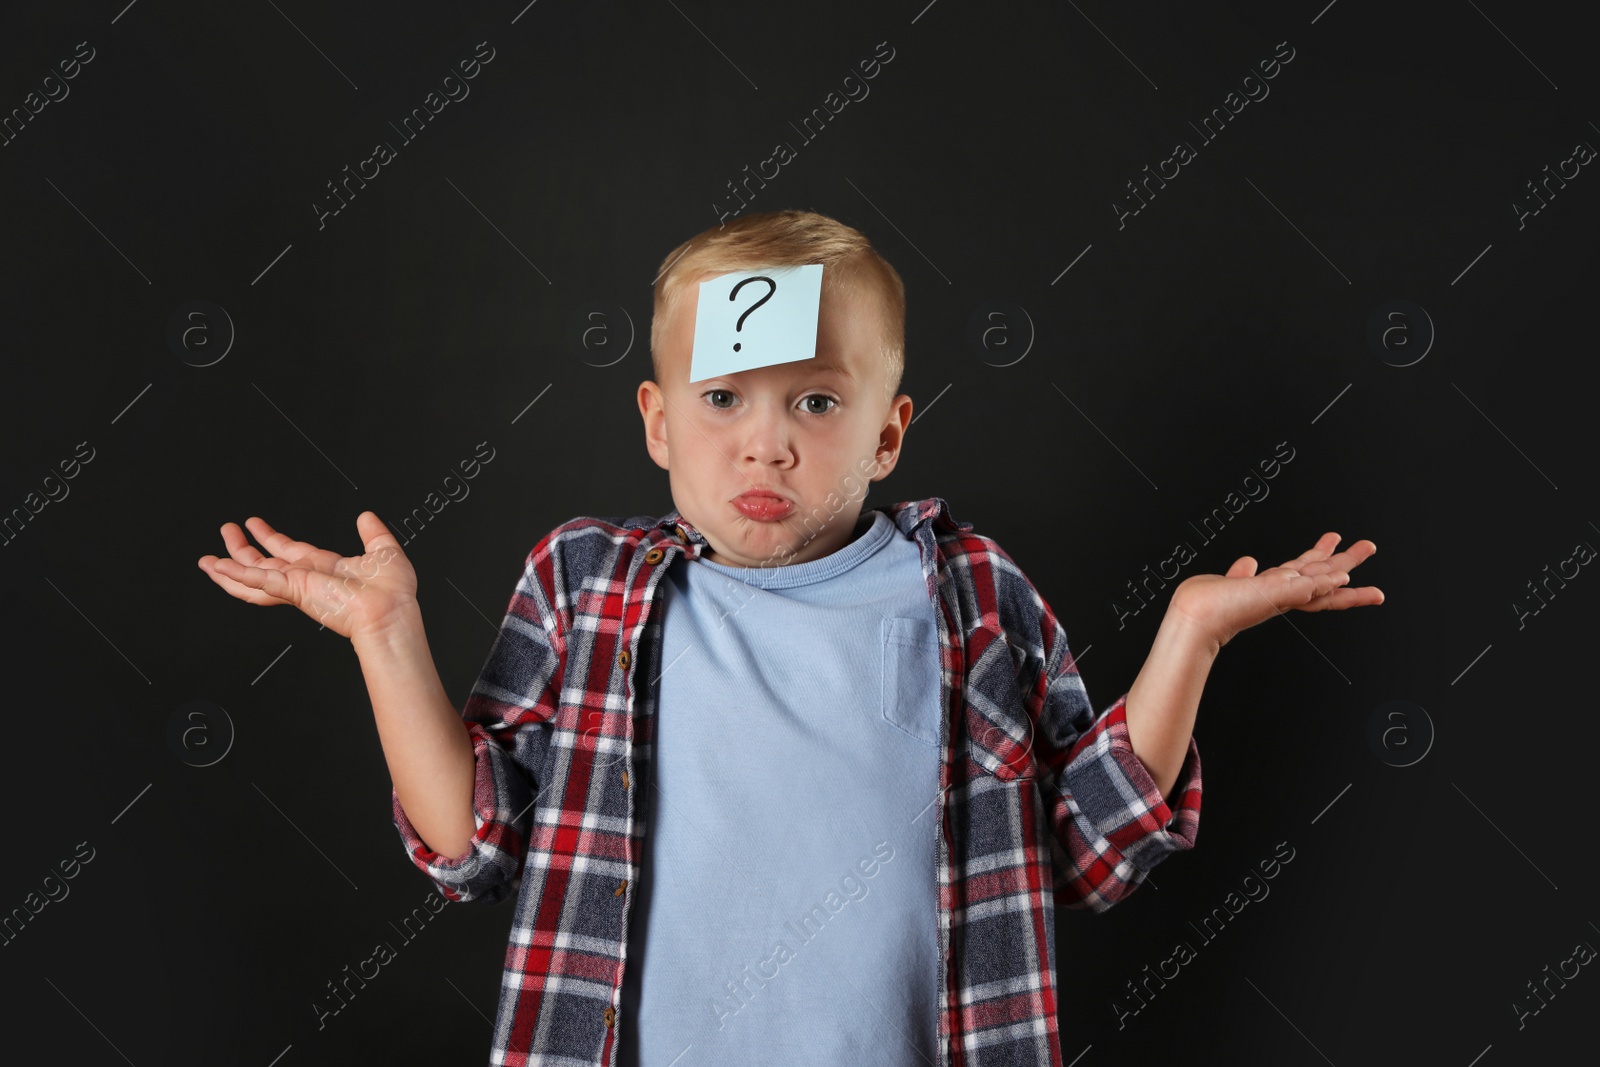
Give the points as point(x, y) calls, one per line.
point(785, 239)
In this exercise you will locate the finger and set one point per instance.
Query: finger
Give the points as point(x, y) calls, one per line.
point(382, 549)
point(249, 595)
point(1331, 581)
point(1243, 567)
point(239, 546)
point(1319, 551)
point(374, 534)
point(1309, 587)
point(280, 545)
point(1356, 554)
point(1312, 559)
point(270, 582)
point(1339, 599)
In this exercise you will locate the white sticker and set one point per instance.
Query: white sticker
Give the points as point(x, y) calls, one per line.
point(755, 319)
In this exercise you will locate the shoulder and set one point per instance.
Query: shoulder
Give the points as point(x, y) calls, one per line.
point(961, 548)
point(588, 545)
point(981, 571)
point(588, 531)
point(580, 555)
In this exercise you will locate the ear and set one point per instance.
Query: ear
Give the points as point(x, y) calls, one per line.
point(893, 435)
point(653, 410)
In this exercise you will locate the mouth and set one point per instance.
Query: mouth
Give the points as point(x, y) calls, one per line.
point(763, 505)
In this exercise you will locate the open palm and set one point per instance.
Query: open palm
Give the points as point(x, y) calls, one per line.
point(351, 595)
point(1317, 580)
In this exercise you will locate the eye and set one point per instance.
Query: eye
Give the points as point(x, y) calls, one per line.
point(822, 396)
point(718, 392)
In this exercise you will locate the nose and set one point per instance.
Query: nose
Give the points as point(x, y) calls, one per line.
point(768, 442)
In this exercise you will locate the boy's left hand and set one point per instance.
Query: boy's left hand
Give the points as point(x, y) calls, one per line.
point(1221, 606)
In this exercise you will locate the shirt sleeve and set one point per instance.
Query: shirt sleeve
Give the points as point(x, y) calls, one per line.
point(1111, 821)
point(506, 716)
point(1111, 825)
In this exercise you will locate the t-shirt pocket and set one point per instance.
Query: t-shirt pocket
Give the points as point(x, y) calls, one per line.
point(910, 677)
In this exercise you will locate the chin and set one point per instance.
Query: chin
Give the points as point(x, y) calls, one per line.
point(767, 539)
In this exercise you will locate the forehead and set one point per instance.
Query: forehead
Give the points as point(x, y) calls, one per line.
point(849, 334)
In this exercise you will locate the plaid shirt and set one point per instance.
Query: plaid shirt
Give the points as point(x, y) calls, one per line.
point(1041, 801)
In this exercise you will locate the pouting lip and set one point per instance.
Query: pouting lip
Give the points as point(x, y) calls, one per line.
point(761, 494)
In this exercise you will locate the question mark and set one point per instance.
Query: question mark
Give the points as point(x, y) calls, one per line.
point(747, 311)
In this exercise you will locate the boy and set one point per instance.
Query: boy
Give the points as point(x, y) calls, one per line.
point(774, 778)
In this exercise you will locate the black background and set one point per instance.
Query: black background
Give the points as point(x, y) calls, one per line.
point(373, 354)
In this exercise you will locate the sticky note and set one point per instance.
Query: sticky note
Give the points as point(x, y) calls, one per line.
point(756, 318)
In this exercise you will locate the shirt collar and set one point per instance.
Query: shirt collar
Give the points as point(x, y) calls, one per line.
point(913, 513)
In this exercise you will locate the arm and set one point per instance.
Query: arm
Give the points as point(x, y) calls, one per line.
point(1205, 613)
point(467, 790)
point(428, 750)
point(1030, 717)
point(1165, 696)
point(486, 760)
point(1112, 822)
point(1148, 732)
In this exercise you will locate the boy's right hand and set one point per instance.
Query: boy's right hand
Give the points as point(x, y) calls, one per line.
point(351, 595)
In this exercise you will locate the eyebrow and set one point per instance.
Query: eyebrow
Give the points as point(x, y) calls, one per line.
point(837, 368)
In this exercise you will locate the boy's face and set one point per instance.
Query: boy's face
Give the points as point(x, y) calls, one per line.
point(814, 432)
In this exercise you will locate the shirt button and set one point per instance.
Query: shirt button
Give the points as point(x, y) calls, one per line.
point(624, 779)
point(622, 658)
point(653, 556)
point(611, 1015)
point(622, 887)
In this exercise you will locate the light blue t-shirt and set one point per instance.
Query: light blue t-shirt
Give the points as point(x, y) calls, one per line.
point(786, 912)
